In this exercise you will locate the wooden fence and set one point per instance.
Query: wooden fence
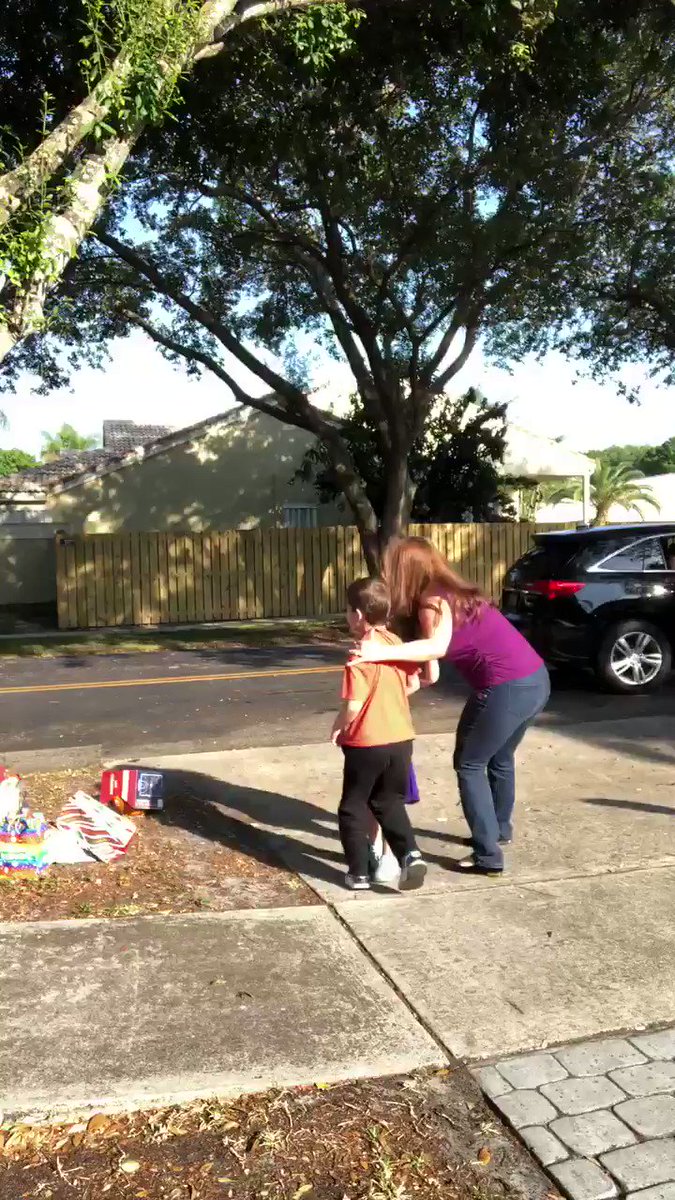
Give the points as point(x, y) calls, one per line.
point(105, 580)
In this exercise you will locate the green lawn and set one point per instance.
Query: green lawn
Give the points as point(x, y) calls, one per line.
point(133, 641)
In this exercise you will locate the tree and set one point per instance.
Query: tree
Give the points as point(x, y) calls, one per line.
point(64, 440)
point(650, 460)
point(138, 51)
point(454, 467)
point(393, 207)
point(14, 461)
point(658, 460)
point(619, 303)
point(619, 485)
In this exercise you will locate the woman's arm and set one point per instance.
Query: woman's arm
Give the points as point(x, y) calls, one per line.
point(435, 620)
point(430, 673)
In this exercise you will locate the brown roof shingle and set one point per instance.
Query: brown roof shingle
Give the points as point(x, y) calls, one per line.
point(123, 436)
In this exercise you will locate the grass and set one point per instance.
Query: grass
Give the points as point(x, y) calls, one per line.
point(262, 634)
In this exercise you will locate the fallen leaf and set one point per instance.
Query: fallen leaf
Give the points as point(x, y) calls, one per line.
point(98, 1122)
point(77, 1140)
point(323, 1087)
point(130, 1166)
point(303, 1190)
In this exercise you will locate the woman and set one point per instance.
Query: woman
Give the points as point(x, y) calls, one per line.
point(508, 680)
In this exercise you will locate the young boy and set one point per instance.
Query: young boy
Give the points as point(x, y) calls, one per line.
point(375, 732)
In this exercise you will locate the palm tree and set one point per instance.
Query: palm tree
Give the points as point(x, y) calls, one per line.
point(66, 438)
point(610, 484)
point(619, 484)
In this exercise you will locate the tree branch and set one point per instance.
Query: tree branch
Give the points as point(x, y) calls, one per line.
point(250, 12)
point(358, 316)
point(470, 338)
point(193, 354)
point(144, 267)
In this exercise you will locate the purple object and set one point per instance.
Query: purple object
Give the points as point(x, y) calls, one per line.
point(489, 650)
point(413, 796)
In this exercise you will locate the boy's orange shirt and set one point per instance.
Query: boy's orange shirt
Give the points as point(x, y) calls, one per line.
point(385, 716)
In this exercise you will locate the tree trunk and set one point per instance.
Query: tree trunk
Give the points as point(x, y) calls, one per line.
point(63, 233)
point(398, 497)
point(38, 168)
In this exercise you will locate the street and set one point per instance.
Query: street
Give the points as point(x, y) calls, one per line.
point(126, 705)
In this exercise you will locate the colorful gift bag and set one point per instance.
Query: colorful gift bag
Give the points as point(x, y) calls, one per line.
point(105, 833)
point(413, 796)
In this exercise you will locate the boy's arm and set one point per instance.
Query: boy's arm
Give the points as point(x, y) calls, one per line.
point(354, 693)
point(347, 712)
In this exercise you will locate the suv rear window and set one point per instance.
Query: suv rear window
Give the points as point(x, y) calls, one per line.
point(647, 554)
point(546, 560)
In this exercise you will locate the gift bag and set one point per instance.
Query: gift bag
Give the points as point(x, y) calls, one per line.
point(105, 833)
point(413, 796)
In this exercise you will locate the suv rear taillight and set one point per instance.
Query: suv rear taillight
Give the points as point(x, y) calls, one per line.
point(554, 589)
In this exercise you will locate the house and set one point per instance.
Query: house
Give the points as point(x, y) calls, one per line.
point(232, 471)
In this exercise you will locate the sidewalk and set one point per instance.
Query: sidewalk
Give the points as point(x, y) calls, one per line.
point(574, 941)
point(577, 939)
point(160, 1010)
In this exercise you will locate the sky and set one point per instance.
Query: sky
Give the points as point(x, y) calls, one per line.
point(139, 385)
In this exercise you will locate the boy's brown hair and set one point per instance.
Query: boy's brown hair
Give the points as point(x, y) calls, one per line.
point(371, 597)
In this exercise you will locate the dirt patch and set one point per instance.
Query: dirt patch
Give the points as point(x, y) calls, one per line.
point(186, 859)
point(422, 1137)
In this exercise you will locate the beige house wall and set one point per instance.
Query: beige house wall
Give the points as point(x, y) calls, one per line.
point(234, 476)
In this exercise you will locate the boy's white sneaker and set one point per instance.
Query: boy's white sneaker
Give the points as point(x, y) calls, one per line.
point(386, 869)
point(413, 872)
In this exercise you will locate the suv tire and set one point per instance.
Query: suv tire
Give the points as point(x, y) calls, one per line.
point(634, 656)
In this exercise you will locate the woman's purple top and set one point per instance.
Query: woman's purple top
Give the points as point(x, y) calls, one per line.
point(488, 650)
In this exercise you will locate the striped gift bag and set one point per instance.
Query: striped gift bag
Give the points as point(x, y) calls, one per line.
point(105, 833)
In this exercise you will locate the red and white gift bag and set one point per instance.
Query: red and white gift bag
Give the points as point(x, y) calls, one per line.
point(105, 833)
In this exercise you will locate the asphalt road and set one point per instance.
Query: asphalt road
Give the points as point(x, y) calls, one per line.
point(74, 710)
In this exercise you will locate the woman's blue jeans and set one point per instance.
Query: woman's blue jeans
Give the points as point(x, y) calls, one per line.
point(492, 725)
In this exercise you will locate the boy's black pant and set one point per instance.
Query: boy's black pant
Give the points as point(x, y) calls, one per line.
point(375, 778)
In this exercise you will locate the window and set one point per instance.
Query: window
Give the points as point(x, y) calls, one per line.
point(628, 558)
point(301, 516)
point(668, 548)
point(649, 554)
point(654, 557)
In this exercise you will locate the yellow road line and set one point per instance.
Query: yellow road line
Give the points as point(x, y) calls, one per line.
point(172, 679)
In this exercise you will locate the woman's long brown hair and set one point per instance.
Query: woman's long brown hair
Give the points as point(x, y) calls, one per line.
point(412, 566)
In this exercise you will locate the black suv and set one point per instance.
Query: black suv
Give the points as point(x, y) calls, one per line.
point(603, 598)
